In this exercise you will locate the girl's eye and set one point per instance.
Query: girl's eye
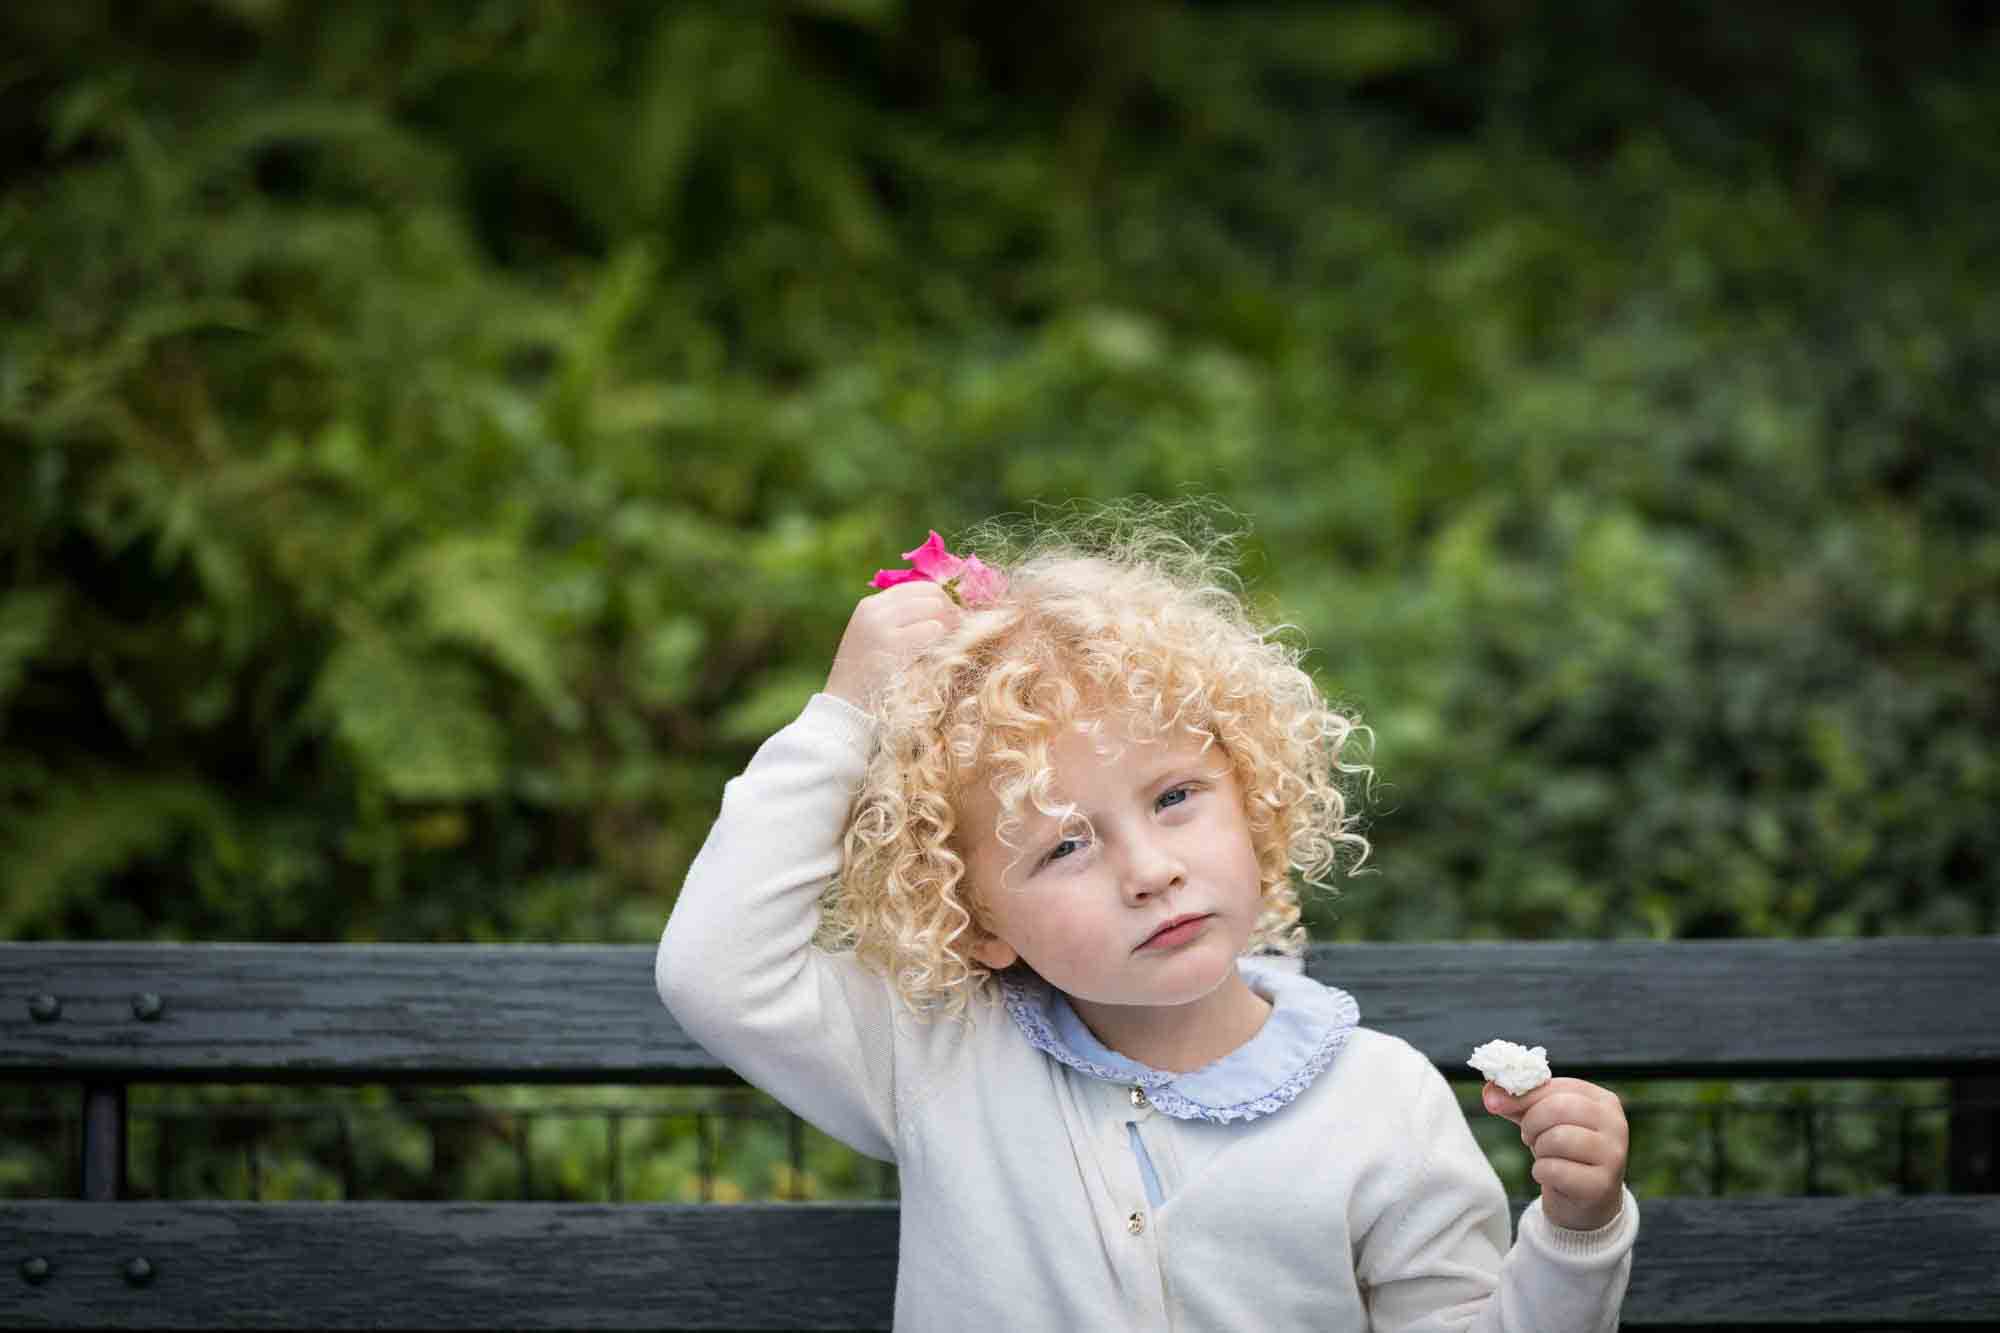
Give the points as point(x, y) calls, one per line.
point(1056, 853)
point(1165, 802)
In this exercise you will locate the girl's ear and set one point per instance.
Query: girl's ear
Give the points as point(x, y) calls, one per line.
point(995, 952)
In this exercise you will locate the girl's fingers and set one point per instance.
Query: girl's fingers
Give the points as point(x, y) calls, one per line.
point(1543, 1106)
point(908, 603)
point(918, 633)
point(1565, 1177)
point(1579, 1104)
point(1572, 1143)
point(1593, 1117)
point(912, 620)
point(1569, 1109)
point(1503, 1103)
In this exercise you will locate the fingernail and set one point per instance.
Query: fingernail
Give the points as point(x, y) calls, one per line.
point(1492, 1100)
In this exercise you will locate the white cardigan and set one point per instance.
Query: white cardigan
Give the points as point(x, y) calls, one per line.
point(1365, 1203)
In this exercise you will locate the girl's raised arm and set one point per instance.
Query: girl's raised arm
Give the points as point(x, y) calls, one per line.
point(736, 964)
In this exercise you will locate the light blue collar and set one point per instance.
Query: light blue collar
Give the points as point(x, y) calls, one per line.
point(1307, 1027)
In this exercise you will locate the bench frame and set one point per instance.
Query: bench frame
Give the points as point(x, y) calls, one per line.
point(103, 1016)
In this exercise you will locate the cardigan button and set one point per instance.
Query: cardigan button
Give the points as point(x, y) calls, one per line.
point(1138, 1095)
point(1136, 1223)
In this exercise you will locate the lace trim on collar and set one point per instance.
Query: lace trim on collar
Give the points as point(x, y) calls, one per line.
point(1294, 1003)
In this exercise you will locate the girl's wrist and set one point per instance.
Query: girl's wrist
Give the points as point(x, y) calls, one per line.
point(1573, 1243)
point(854, 723)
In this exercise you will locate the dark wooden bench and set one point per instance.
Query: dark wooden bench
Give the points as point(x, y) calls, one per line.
point(99, 1017)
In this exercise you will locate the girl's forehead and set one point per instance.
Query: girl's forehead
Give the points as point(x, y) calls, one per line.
point(1081, 752)
point(1081, 755)
point(1111, 733)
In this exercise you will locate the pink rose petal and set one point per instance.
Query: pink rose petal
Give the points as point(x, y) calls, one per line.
point(933, 561)
point(889, 578)
point(980, 582)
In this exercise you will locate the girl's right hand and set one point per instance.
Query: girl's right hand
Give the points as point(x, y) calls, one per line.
point(887, 629)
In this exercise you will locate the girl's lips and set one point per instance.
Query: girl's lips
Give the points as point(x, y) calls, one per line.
point(1178, 931)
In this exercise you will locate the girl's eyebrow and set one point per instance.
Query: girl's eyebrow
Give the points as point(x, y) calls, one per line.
point(1040, 824)
point(1168, 769)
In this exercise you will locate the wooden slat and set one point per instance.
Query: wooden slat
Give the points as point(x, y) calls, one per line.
point(581, 1014)
point(1923, 1259)
point(451, 1266)
point(357, 1013)
point(1699, 1263)
point(1691, 1008)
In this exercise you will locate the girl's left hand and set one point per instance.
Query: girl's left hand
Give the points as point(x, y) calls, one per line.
point(1577, 1132)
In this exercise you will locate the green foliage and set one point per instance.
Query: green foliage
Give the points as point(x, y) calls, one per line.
point(483, 1143)
point(1688, 1139)
point(436, 447)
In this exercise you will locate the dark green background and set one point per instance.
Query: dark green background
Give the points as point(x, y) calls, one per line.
point(437, 442)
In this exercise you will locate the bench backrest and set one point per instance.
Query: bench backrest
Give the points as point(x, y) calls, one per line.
point(101, 1016)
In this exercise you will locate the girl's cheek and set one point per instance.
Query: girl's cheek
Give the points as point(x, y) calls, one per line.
point(1046, 937)
point(1089, 946)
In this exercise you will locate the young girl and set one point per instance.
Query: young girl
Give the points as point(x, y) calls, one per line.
point(1043, 821)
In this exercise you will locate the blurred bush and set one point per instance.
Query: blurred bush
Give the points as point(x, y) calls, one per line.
point(437, 444)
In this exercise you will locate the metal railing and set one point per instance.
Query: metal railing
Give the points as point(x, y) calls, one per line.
point(165, 1137)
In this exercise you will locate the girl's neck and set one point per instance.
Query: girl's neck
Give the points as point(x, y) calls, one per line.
point(1179, 1038)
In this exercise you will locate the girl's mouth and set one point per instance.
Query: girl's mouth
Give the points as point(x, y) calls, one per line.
point(1177, 931)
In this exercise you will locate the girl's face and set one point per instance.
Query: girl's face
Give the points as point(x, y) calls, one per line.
point(1170, 841)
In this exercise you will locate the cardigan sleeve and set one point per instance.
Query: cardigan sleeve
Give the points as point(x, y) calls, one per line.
point(1439, 1259)
point(736, 964)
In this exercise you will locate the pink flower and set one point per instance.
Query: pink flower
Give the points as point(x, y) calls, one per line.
point(889, 578)
point(965, 579)
point(933, 561)
point(979, 584)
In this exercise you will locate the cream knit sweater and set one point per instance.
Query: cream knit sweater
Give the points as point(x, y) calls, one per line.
point(1364, 1204)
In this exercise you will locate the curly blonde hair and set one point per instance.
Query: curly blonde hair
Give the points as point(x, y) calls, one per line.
point(1110, 612)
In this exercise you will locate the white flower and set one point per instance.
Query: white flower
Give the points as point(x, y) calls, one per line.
point(1516, 1068)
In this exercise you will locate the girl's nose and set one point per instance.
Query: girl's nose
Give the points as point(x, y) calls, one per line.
point(1153, 869)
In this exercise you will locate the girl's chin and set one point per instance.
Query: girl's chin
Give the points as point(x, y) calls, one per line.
point(1188, 978)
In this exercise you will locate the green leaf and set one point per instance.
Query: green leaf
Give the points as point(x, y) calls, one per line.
point(82, 831)
point(480, 591)
point(773, 701)
point(415, 724)
point(27, 623)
